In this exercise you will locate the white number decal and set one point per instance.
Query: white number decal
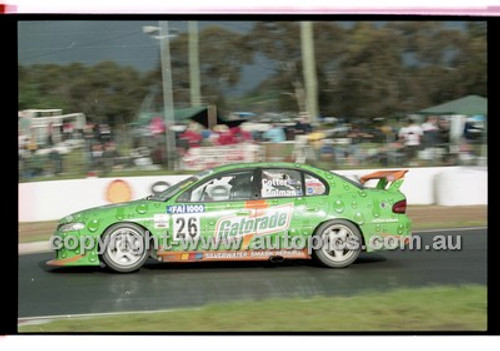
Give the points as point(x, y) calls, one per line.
point(186, 227)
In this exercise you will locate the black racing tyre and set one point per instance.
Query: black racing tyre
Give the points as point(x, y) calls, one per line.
point(126, 250)
point(341, 243)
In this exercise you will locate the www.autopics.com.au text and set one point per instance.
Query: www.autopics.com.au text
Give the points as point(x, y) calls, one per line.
point(83, 243)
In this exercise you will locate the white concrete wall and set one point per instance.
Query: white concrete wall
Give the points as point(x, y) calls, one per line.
point(44, 201)
point(418, 185)
point(462, 186)
point(53, 200)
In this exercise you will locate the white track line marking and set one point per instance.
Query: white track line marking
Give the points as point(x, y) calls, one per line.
point(447, 230)
point(47, 319)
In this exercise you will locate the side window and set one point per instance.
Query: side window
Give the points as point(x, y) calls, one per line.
point(281, 183)
point(227, 187)
point(314, 186)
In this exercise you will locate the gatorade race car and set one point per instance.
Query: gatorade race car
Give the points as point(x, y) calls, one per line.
point(238, 212)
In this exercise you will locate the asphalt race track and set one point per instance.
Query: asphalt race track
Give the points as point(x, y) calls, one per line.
point(45, 291)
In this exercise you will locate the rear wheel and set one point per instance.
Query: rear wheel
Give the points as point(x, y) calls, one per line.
point(125, 249)
point(341, 243)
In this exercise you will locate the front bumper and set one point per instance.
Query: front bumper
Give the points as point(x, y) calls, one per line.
point(64, 261)
point(66, 255)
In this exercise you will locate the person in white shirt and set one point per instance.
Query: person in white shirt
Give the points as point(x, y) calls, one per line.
point(411, 137)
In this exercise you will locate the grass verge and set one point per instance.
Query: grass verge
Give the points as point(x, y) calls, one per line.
point(442, 308)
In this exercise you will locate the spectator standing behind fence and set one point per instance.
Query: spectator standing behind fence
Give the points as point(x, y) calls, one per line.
point(104, 133)
point(444, 140)
point(67, 130)
point(224, 135)
point(57, 161)
point(430, 137)
point(411, 136)
point(192, 136)
point(302, 126)
point(96, 154)
point(275, 135)
point(240, 134)
point(109, 155)
point(50, 135)
point(88, 136)
point(206, 134)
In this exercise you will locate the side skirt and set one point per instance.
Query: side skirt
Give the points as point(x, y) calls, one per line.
point(247, 255)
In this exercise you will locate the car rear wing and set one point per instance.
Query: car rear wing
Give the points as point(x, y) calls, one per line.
point(388, 179)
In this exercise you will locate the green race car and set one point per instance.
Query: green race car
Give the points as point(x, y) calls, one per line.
point(253, 211)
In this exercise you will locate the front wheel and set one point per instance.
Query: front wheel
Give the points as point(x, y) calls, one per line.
point(125, 249)
point(340, 243)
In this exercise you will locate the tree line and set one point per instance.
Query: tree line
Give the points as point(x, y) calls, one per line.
point(366, 69)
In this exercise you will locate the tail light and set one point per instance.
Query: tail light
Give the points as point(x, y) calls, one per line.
point(399, 207)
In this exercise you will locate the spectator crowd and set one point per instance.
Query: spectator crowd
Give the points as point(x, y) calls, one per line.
point(338, 143)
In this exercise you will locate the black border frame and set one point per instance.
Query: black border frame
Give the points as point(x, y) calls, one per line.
point(8, 25)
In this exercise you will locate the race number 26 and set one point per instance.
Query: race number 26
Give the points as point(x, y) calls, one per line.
point(186, 227)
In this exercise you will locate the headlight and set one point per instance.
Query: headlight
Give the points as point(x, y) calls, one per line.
point(68, 227)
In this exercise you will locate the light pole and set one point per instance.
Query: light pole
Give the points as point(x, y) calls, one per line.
point(194, 64)
point(168, 99)
point(309, 68)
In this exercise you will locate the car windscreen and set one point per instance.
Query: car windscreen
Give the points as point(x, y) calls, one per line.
point(174, 189)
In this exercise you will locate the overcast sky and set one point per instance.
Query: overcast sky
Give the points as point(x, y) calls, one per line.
point(90, 42)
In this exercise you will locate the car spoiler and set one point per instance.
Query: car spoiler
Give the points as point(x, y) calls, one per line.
point(394, 177)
